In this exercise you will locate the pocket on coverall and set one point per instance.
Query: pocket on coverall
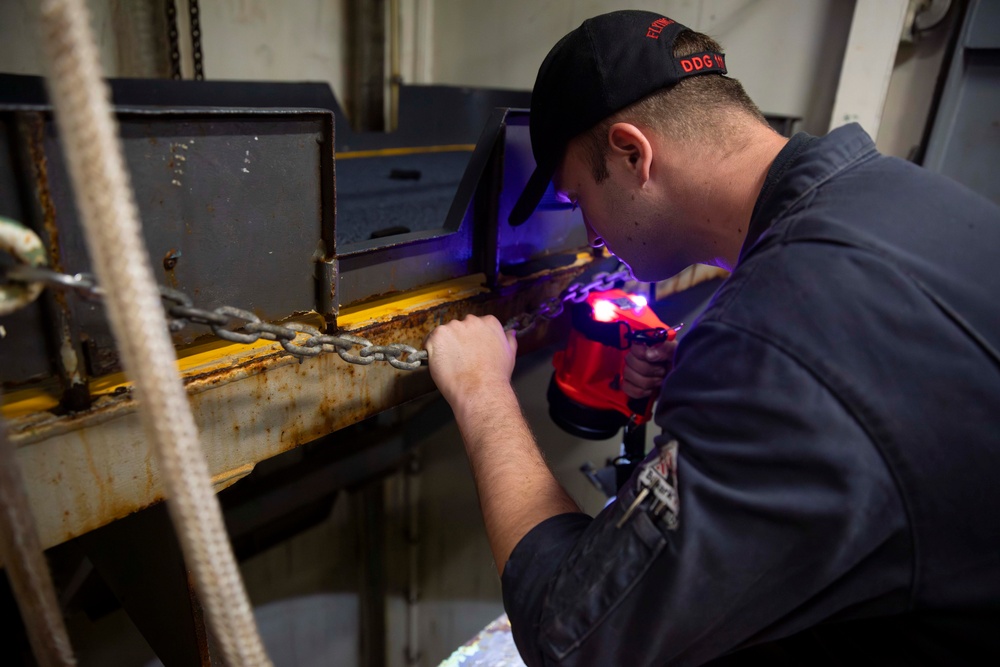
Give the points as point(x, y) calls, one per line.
point(598, 574)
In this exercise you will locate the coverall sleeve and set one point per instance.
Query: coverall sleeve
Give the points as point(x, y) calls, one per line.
point(788, 517)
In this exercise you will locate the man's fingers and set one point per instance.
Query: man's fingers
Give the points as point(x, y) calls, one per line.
point(641, 381)
point(640, 367)
point(634, 392)
point(512, 340)
point(641, 390)
point(656, 353)
point(645, 368)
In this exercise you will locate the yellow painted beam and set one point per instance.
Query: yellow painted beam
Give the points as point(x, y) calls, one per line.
point(415, 150)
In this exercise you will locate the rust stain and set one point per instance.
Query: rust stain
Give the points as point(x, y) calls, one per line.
point(150, 480)
point(169, 264)
point(36, 148)
point(69, 358)
point(103, 491)
point(170, 259)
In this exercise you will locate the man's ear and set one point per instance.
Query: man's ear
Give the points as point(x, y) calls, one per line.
point(630, 149)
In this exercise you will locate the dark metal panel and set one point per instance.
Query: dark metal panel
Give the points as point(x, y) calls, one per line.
point(412, 192)
point(405, 265)
point(449, 114)
point(965, 140)
point(237, 208)
point(984, 26)
point(456, 248)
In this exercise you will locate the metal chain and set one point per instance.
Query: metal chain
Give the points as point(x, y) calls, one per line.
point(199, 67)
point(241, 326)
point(194, 12)
point(174, 36)
point(577, 293)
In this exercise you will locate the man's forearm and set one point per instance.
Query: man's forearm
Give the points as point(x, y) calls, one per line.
point(516, 488)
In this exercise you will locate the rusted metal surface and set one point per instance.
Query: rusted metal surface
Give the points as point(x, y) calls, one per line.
point(69, 360)
point(493, 647)
point(87, 469)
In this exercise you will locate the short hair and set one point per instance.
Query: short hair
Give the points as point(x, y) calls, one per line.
point(678, 111)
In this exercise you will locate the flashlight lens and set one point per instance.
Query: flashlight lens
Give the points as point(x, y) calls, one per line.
point(604, 311)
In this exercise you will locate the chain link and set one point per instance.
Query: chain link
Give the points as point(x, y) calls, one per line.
point(576, 293)
point(302, 340)
point(174, 36)
point(196, 55)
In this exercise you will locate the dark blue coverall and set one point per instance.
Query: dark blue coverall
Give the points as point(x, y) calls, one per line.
point(833, 422)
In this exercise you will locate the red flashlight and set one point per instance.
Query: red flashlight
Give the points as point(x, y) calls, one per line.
point(585, 394)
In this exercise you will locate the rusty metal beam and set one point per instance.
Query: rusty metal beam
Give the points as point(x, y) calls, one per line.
point(86, 469)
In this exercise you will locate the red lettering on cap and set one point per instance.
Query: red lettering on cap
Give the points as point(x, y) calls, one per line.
point(709, 61)
point(657, 26)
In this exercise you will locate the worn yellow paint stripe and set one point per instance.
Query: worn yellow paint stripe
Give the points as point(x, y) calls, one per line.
point(200, 358)
point(415, 150)
point(26, 402)
point(399, 304)
point(219, 354)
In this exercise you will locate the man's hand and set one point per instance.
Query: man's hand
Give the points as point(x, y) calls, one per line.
point(646, 366)
point(470, 355)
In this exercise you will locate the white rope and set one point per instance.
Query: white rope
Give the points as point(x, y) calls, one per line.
point(89, 136)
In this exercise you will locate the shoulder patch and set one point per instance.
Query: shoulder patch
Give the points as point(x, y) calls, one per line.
point(658, 476)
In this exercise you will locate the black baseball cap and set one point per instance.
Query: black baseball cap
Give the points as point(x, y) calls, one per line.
point(606, 64)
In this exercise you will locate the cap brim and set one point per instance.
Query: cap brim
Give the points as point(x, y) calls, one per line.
point(532, 194)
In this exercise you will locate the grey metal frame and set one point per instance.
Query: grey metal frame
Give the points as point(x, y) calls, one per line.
point(239, 208)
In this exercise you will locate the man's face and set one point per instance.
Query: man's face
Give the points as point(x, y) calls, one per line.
point(616, 214)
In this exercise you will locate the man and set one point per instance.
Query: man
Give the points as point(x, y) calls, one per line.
point(824, 488)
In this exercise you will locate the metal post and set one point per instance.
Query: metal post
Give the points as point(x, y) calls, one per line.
point(140, 560)
point(366, 69)
point(370, 512)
